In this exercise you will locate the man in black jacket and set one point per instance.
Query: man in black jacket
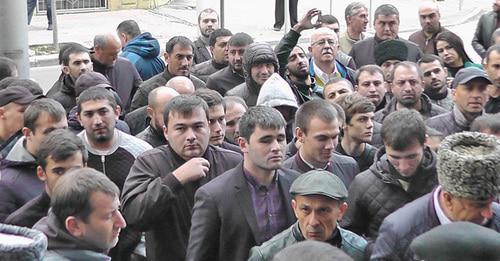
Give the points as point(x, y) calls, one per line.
point(208, 21)
point(217, 43)
point(492, 67)
point(158, 195)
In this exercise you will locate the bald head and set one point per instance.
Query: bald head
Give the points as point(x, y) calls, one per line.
point(182, 84)
point(106, 48)
point(429, 17)
point(157, 99)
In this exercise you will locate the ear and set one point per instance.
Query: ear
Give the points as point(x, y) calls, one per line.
point(300, 134)
point(165, 55)
point(243, 144)
point(294, 207)
point(74, 226)
point(165, 132)
point(26, 132)
point(149, 111)
point(65, 69)
point(2, 112)
point(356, 87)
point(309, 49)
point(447, 198)
point(211, 49)
point(78, 118)
point(446, 69)
point(40, 173)
point(342, 210)
point(454, 94)
point(118, 110)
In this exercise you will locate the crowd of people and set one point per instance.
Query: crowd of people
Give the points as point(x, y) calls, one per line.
point(354, 147)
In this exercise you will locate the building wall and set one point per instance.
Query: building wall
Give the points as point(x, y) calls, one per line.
point(131, 4)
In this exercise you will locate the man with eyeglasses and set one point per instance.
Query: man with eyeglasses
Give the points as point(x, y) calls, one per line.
point(407, 88)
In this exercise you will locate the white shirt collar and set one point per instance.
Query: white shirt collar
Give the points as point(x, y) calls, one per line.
point(311, 166)
point(325, 78)
point(443, 219)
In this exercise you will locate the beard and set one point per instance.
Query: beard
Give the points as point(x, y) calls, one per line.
point(408, 103)
point(299, 75)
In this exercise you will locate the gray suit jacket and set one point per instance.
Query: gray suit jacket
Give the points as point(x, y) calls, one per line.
point(485, 28)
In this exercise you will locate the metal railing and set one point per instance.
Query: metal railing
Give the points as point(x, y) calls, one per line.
point(68, 6)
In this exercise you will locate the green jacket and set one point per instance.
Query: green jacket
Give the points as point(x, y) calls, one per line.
point(352, 244)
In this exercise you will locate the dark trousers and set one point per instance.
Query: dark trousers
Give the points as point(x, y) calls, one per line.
point(279, 12)
point(31, 9)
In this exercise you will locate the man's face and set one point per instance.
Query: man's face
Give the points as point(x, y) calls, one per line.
point(429, 19)
point(462, 209)
point(188, 134)
point(371, 86)
point(320, 141)
point(333, 90)
point(99, 119)
point(298, 64)
point(448, 53)
point(208, 23)
point(406, 161)
point(324, 47)
point(179, 62)
point(359, 20)
point(43, 126)
point(55, 169)
point(360, 128)
point(217, 123)
point(265, 149)
point(233, 116)
point(493, 68)
point(219, 51)
point(407, 86)
point(317, 215)
point(496, 5)
point(386, 27)
point(104, 224)
point(434, 75)
point(261, 72)
point(79, 63)
point(388, 66)
point(470, 98)
point(12, 116)
point(235, 55)
point(108, 54)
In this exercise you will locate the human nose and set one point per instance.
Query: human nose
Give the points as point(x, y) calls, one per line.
point(190, 135)
point(120, 221)
point(313, 221)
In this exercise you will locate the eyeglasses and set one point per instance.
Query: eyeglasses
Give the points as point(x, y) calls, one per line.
point(412, 82)
point(323, 42)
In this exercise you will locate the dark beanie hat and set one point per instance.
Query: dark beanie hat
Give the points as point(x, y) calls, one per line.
point(91, 79)
point(21, 243)
point(390, 50)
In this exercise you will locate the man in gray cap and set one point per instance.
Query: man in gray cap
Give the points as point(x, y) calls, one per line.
point(318, 203)
point(457, 241)
point(468, 167)
point(470, 94)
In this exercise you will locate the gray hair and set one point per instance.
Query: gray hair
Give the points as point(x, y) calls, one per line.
point(352, 9)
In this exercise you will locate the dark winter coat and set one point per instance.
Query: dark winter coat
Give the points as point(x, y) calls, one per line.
point(64, 92)
point(205, 69)
point(428, 109)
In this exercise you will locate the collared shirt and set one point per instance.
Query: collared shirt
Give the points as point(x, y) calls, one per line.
point(323, 77)
point(268, 206)
point(443, 219)
point(311, 166)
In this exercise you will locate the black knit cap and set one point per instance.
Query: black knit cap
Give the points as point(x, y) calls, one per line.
point(390, 50)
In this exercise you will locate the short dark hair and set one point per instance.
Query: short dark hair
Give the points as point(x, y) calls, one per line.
point(72, 49)
point(72, 192)
point(28, 84)
point(59, 145)
point(487, 121)
point(369, 68)
point(211, 97)
point(95, 93)
point(7, 67)
point(401, 128)
point(53, 108)
point(180, 40)
point(63, 48)
point(407, 65)
point(260, 116)
point(315, 108)
point(184, 104)
point(337, 80)
point(493, 48)
point(240, 39)
point(328, 19)
point(207, 10)
point(311, 250)
point(353, 103)
point(129, 27)
point(430, 58)
point(212, 39)
point(385, 10)
point(455, 42)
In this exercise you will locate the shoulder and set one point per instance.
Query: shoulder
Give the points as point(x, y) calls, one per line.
point(133, 144)
point(352, 240)
point(224, 153)
point(153, 82)
point(409, 216)
point(238, 90)
point(363, 43)
point(343, 160)
point(439, 119)
point(269, 248)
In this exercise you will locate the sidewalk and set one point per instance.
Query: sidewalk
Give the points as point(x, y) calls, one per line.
point(253, 17)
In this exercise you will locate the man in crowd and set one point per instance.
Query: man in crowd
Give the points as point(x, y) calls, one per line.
point(387, 60)
point(84, 220)
point(407, 88)
point(227, 213)
point(157, 99)
point(435, 81)
point(217, 43)
point(488, 123)
point(8, 68)
point(429, 17)
point(142, 49)
point(120, 72)
point(158, 193)
point(13, 103)
point(75, 61)
point(318, 203)
point(492, 67)
point(404, 170)
point(371, 84)
point(386, 26)
point(179, 58)
point(336, 87)
point(467, 166)
point(485, 27)
point(232, 75)
point(59, 152)
point(235, 108)
point(357, 131)
point(317, 130)
point(356, 18)
point(208, 21)
point(470, 95)
point(259, 63)
point(19, 182)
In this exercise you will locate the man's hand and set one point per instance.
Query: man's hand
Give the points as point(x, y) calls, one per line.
point(306, 22)
point(193, 169)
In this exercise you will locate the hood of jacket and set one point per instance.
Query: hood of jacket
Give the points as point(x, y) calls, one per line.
point(18, 156)
point(257, 53)
point(276, 92)
point(143, 45)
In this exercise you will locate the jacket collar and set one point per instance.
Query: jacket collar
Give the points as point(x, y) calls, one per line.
point(19, 152)
point(336, 239)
